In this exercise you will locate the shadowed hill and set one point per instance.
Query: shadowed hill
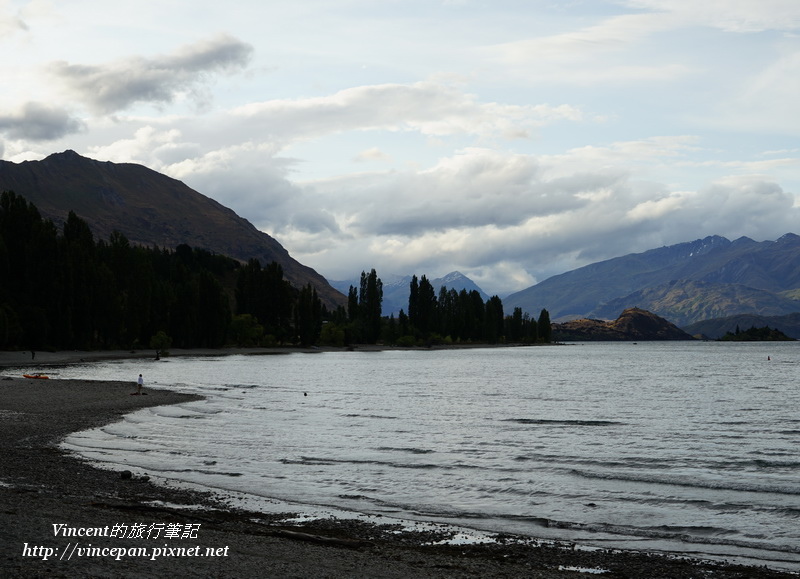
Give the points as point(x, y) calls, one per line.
point(150, 209)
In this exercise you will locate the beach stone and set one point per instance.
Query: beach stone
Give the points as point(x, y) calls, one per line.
point(126, 475)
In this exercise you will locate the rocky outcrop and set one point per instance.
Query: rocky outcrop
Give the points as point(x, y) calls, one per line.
point(633, 324)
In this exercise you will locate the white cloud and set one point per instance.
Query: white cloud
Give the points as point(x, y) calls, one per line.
point(654, 209)
point(371, 154)
point(427, 107)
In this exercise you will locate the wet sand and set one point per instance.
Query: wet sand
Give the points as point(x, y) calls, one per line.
point(40, 486)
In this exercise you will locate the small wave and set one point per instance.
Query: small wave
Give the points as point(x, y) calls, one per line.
point(411, 450)
point(197, 470)
point(700, 534)
point(548, 422)
point(759, 463)
point(215, 472)
point(314, 461)
point(689, 482)
point(370, 416)
point(700, 530)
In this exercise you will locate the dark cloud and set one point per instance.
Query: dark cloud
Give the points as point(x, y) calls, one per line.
point(39, 122)
point(115, 86)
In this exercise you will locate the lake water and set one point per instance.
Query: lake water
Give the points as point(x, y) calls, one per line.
point(678, 447)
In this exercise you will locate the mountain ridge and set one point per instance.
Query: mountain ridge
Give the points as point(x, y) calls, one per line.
point(705, 271)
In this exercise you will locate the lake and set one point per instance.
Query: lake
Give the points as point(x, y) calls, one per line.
point(685, 447)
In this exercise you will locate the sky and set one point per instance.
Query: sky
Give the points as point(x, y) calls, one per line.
point(509, 140)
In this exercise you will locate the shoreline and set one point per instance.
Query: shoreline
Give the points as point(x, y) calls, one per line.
point(40, 486)
point(23, 358)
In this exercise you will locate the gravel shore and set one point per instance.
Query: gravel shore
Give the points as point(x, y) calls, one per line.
point(42, 487)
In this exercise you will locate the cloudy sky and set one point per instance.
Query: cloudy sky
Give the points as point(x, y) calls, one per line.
point(508, 139)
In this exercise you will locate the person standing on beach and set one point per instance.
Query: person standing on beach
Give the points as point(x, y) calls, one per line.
point(139, 383)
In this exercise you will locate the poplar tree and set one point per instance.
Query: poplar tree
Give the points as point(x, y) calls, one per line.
point(544, 328)
point(370, 305)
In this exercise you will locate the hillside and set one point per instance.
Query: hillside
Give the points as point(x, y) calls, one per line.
point(686, 301)
point(150, 209)
point(633, 324)
point(709, 277)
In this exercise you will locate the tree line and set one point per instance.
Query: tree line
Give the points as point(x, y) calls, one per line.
point(765, 334)
point(64, 290)
point(449, 317)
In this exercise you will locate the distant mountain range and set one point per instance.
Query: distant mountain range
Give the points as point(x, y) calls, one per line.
point(150, 209)
point(684, 283)
point(396, 289)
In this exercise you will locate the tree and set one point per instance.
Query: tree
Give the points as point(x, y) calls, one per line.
point(76, 322)
point(544, 327)
point(161, 343)
point(215, 311)
point(413, 300)
point(422, 305)
point(494, 320)
point(352, 304)
point(245, 330)
point(308, 316)
point(332, 334)
point(370, 304)
point(514, 325)
point(264, 294)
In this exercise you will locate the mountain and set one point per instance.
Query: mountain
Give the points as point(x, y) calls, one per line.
point(632, 324)
point(150, 209)
point(396, 289)
point(709, 277)
point(687, 301)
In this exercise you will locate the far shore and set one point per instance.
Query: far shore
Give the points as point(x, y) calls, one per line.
point(27, 359)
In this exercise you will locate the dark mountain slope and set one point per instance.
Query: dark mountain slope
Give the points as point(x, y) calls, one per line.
point(150, 209)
